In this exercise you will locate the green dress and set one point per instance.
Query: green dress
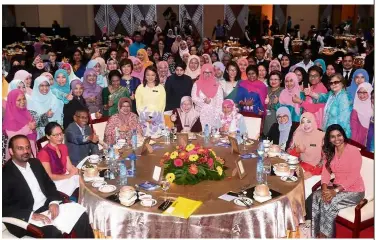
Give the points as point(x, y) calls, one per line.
point(115, 96)
point(294, 116)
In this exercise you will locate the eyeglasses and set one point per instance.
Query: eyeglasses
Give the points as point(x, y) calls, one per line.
point(283, 117)
point(334, 83)
point(313, 76)
point(362, 93)
point(57, 134)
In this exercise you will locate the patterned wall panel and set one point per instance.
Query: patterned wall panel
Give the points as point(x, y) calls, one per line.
point(143, 12)
point(194, 13)
point(237, 17)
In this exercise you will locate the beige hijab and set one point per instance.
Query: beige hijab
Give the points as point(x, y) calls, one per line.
point(189, 118)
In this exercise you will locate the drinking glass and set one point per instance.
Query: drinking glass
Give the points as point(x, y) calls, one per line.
point(165, 185)
point(267, 168)
point(174, 130)
point(245, 138)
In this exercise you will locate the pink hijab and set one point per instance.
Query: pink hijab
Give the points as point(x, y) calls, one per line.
point(139, 75)
point(257, 86)
point(15, 118)
point(207, 85)
point(243, 74)
point(275, 62)
point(22, 75)
point(287, 94)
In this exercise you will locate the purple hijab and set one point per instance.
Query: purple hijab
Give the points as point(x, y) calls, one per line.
point(90, 90)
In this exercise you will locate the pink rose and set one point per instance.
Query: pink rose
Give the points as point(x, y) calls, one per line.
point(178, 162)
point(210, 162)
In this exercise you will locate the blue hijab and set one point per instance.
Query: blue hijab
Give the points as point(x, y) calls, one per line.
point(284, 129)
point(100, 79)
point(64, 89)
point(353, 87)
point(322, 63)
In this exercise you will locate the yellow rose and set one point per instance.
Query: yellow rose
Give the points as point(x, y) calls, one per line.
point(193, 158)
point(219, 170)
point(174, 155)
point(190, 147)
point(170, 177)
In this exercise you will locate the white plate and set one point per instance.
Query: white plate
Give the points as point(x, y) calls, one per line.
point(107, 188)
point(98, 183)
point(245, 199)
point(249, 142)
point(290, 179)
point(293, 166)
point(281, 174)
point(262, 199)
point(89, 179)
point(145, 202)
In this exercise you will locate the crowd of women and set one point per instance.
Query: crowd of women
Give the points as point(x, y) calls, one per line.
point(137, 84)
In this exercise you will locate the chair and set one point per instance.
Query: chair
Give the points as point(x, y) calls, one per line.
point(254, 124)
point(361, 216)
point(168, 122)
point(41, 142)
point(99, 126)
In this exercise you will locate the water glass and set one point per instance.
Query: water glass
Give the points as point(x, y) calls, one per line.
point(165, 185)
point(245, 138)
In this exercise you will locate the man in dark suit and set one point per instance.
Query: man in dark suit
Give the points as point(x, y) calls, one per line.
point(369, 61)
point(260, 57)
point(29, 191)
point(348, 69)
point(80, 140)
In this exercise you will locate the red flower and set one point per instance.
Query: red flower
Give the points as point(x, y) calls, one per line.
point(183, 155)
point(178, 162)
point(210, 162)
point(201, 151)
point(193, 169)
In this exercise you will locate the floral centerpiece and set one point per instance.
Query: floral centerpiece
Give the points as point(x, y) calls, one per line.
point(192, 164)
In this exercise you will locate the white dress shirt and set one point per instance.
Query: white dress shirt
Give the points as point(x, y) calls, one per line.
point(306, 67)
point(345, 72)
point(286, 43)
point(32, 182)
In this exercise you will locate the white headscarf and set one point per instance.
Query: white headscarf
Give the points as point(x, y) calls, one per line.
point(364, 108)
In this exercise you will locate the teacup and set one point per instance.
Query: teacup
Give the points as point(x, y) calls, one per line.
point(94, 158)
point(292, 159)
point(148, 202)
point(127, 194)
point(127, 202)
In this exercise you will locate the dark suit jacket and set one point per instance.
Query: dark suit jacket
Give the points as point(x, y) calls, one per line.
point(350, 77)
point(369, 63)
point(77, 148)
point(18, 200)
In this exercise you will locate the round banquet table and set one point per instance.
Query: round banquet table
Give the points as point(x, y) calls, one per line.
point(215, 218)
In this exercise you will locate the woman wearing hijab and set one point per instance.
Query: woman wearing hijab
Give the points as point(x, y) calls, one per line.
point(219, 70)
point(176, 44)
point(282, 131)
point(362, 113)
point(50, 77)
point(43, 102)
point(207, 59)
point(320, 63)
point(177, 86)
point(285, 67)
point(125, 120)
point(307, 142)
point(302, 77)
point(271, 101)
point(360, 76)
point(193, 67)
point(186, 118)
point(285, 99)
point(38, 68)
point(61, 88)
point(131, 70)
point(17, 84)
point(274, 65)
point(112, 93)
point(92, 91)
point(338, 105)
point(18, 120)
point(207, 96)
point(183, 49)
point(170, 39)
point(67, 67)
point(231, 120)
point(143, 56)
point(243, 64)
point(206, 47)
point(163, 71)
point(251, 93)
point(25, 77)
point(371, 130)
point(95, 65)
point(311, 105)
point(78, 102)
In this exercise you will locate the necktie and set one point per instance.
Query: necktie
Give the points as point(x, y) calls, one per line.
point(347, 76)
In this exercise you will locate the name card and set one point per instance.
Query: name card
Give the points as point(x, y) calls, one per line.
point(157, 173)
point(146, 147)
point(182, 139)
point(240, 168)
point(234, 145)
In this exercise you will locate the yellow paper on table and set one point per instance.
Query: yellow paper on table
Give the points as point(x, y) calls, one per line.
point(182, 207)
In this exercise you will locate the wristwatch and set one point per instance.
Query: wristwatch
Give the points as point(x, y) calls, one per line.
point(336, 190)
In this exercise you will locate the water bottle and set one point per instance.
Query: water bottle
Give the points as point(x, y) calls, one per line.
point(206, 133)
point(167, 136)
point(133, 157)
point(134, 140)
point(260, 170)
point(238, 137)
point(122, 173)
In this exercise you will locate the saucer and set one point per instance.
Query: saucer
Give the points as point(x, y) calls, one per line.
point(107, 188)
point(145, 202)
point(281, 174)
point(145, 196)
point(262, 199)
point(98, 183)
point(289, 179)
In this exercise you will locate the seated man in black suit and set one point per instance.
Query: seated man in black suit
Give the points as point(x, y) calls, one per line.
point(29, 191)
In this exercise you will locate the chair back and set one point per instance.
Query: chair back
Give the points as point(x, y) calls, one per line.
point(41, 142)
point(167, 120)
point(368, 173)
point(254, 124)
point(99, 126)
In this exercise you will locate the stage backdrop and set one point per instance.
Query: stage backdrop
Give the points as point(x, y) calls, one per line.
point(237, 17)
